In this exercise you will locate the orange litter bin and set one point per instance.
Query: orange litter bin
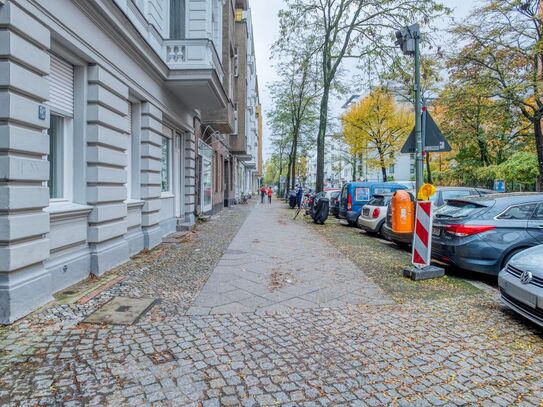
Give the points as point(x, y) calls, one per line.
point(402, 212)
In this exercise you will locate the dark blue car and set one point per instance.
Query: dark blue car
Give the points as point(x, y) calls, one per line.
point(354, 195)
point(482, 233)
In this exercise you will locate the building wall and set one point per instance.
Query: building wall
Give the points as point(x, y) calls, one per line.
point(47, 246)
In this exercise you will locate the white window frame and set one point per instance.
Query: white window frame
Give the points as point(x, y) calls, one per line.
point(66, 181)
point(129, 151)
point(169, 192)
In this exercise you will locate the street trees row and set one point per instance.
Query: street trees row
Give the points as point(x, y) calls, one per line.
point(335, 30)
point(484, 88)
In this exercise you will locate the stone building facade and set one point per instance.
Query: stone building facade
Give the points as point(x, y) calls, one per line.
point(244, 142)
point(103, 106)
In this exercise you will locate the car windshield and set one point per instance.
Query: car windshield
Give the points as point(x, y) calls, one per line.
point(457, 209)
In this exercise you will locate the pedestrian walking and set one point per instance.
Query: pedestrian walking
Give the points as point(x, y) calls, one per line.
point(270, 193)
point(262, 193)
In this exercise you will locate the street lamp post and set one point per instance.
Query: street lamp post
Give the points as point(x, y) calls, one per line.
point(408, 39)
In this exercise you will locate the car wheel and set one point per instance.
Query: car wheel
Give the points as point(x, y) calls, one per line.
point(381, 231)
point(510, 256)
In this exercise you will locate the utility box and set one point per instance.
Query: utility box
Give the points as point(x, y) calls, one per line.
point(402, 208)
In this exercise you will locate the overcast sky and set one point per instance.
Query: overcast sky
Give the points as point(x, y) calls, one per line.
point(266, 31)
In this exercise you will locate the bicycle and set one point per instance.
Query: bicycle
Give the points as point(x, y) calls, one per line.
point(305, 205)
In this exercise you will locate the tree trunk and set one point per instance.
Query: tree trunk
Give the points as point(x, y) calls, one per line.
point(539, 147)
point(323, 122)
point(289, 171)
point(428, 169)
point(294, 158)
point(382, 162)
point(353, 163)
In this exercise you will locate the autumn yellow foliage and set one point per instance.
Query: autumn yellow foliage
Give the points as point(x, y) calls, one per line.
point(376, 127)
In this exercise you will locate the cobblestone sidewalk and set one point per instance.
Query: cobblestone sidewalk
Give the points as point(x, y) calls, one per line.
point(460, 350)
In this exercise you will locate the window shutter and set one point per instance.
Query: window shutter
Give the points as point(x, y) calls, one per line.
point(129, 118)
point(61, 86)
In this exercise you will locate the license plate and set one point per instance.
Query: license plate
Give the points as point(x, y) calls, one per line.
point(521, 295)
point(436, 231)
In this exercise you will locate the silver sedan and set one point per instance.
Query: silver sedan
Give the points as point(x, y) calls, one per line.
point(521, 284)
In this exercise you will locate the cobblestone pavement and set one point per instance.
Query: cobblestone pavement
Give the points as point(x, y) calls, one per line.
point(462, 349)
point(275, 265)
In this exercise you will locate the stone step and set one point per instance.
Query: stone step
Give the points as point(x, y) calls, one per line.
point(185, 226)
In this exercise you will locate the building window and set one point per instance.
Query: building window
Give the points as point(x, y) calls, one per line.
point(412, 168)
point(236, 119)
point(61, 153)
point(221, 168)
point(236, 61)
point(177, 19)
point(56, 157)
point(216, 165)
point(165, 172)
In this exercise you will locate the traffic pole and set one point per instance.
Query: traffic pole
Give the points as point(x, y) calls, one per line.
point(419, 165)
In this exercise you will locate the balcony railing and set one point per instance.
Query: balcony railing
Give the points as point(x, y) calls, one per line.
point(192, 54)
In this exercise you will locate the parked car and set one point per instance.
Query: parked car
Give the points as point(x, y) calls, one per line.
point(354, 195)
point(334, 203)
point(373, 215)
point(438, 199)
point(521, 284)
point(483, 233)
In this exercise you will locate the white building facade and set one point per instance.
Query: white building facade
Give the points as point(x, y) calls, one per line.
point(101, 107)
point(338, 167)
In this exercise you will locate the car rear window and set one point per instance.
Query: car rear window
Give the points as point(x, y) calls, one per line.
point(377, 201)
point(455, 193)
point(458, 209)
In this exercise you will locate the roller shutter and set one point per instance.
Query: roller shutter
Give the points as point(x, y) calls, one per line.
point(61, 86)
point(129, 118)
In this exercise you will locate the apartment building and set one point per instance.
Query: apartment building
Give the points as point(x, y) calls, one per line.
point(338, 167)
point(111, 115)
point(245, 140)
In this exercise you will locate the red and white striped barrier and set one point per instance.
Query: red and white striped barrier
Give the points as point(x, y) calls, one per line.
point(422, 238)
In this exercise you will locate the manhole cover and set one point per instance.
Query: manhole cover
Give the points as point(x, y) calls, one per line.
point(120, 311)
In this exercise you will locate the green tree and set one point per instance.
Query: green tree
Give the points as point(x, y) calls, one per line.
point(502, 48)
point(340, 29)
point(295, 97)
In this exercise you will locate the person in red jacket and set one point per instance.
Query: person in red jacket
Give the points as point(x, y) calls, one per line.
point(270, 193)
point(262, 193)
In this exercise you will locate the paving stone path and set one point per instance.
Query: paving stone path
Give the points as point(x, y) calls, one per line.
point(275, 265)
point(459, 351)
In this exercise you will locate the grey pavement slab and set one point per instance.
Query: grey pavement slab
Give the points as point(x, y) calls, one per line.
point(120, 311)
point(276, 265)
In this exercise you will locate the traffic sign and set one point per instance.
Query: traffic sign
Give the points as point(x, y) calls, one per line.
point(434, 141)
point(499, 185)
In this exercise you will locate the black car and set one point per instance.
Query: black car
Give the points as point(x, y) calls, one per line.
point(439, 199)
point(334, 203)
point(481, 233)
